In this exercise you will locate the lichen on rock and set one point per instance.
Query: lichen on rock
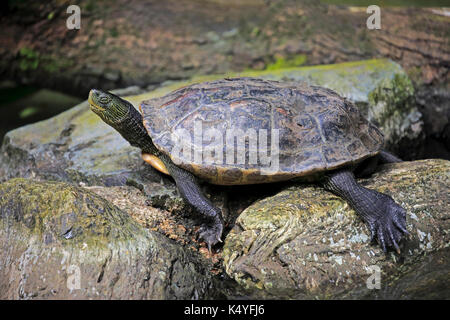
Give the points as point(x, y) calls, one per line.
point(393, 109)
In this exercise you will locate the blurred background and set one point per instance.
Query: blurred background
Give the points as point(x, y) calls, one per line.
point(46, 68)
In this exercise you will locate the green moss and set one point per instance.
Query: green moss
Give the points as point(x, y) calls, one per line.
point(398, 89)
point(282, 63)
point(31, 60)
point(64, 211)
point(394, 94)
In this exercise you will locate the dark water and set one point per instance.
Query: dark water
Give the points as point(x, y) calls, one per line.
point(21, 105)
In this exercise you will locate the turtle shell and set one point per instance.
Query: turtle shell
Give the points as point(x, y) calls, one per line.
point(248, 130)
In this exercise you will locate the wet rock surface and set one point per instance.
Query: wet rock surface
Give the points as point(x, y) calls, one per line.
point(305, 242)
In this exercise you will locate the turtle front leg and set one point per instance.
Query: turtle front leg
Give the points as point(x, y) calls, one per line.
point(385, 218)
point(187, 185)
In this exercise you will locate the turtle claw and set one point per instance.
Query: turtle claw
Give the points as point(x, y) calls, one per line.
point(390, 227)
point(381, 240)
point(397, 248)
point(401, 228)
point(373, 232)
point(210, 234)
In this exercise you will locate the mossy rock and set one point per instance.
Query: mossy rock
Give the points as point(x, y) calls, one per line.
point(58, 241)
point(304, 242)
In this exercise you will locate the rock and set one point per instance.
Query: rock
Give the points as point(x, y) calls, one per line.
point(58, 241)
point(434, 104)
point(304, 242)
point(392, 107)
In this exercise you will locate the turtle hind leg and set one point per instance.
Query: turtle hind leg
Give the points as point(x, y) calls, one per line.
point(369, 166)
point(385, 219)
point(387, 157)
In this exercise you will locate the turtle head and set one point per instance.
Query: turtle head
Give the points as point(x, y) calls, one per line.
point(111, 108)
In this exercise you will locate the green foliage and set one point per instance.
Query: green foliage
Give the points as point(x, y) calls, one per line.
point(29, 59)
point(52, 65)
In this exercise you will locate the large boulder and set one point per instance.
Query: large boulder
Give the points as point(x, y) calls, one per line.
point(304, 242)
point(58, 241)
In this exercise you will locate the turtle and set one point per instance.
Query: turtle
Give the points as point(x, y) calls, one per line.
point(222, 132)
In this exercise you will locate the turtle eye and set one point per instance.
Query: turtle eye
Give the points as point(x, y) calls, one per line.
point(104, 100)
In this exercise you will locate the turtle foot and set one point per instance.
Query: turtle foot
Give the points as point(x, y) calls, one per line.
point(388, 225)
